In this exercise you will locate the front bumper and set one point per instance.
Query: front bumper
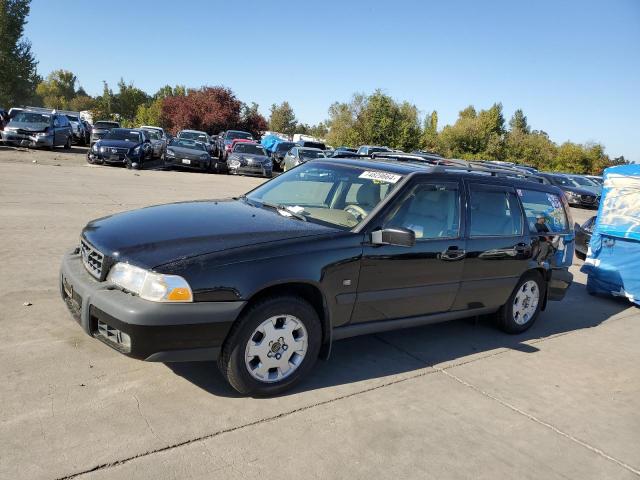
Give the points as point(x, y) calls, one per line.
point(158, 332)
point(254, 169)
point(194, 164)
point(23, 140)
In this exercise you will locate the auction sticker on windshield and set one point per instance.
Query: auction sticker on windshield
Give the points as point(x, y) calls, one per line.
point(381, 176)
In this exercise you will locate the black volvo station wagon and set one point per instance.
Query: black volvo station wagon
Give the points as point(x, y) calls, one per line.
point(264, 283)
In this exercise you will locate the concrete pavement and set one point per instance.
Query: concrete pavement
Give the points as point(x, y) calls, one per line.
point(454, 400)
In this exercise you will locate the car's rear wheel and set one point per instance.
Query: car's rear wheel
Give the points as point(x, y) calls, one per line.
point(272, 346)
point(581, 255)
point(523, 306)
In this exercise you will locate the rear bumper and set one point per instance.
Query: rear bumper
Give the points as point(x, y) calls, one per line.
point(157, 332)
point(560, 281)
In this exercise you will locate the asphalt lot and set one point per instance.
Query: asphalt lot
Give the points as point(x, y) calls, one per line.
point(454, 400)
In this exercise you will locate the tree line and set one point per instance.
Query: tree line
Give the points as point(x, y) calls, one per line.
point(366, 119)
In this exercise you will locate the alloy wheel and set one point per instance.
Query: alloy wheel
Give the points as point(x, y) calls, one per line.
point(276, 348)
point(525, 302)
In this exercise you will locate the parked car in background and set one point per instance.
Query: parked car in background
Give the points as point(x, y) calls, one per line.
point(199, 136)
point(130, 147)
point(77, 127)
point(583, 237)
point(279, 153)
point(191, 154)
point(333, 249)
point(101, 128)
point(225, 139)
point(87, 131)
point(158, 141)
point(38, 129)
point(298, 155)
point(370, 149)
point(586, 183)
point(577, 196)
point(249, 158)
point(345, 149)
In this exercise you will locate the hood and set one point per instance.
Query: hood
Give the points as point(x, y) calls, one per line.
point(105, 142)
point(187, 152)
point(153, 236)
point(578, 190)
point(28, 127)
point(250, 156)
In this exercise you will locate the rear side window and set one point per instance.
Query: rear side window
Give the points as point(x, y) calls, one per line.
point(542, 205)
point(494, 212)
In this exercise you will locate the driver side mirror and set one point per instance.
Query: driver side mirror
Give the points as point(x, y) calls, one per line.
point(402, 237)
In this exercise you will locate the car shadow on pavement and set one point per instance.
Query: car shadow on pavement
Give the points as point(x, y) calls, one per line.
point(444, 344)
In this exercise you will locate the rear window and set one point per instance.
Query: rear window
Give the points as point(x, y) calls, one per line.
point(542, 204)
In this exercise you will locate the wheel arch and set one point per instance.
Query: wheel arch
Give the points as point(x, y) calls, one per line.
point(309, 292)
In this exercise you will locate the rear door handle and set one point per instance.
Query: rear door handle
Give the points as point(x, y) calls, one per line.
point(453, 253)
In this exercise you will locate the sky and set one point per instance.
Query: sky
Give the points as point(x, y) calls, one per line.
point(572, 66)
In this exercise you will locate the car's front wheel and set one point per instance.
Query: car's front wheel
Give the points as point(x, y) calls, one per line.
point(523, 306)
point(272, 346)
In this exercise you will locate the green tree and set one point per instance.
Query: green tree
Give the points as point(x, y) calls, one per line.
point(127, 101)
point(105, 104)
point(58, 89)
point(150, 114)
point(18, 75)
point(82, 102)
point(518, 122)
point(534, 149)
point(282, 119)
point(430, 132)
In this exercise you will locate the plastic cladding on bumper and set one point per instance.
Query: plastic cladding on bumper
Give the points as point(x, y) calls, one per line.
point(142, 329)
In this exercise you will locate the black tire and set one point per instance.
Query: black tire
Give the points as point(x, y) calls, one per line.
point(581, 255)
point(67, 146)
point(507, 320)
point(89, 160)
point(232, 358)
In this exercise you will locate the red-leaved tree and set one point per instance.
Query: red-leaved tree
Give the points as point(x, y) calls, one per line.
point(211, 109)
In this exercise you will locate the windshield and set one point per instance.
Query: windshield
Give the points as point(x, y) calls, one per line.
point(186, 143)
point(584, 182)
point(72, 118)
point(126, 135)
point(311, 154)
point(29, 117)
point(154, 134)
point(234, 135)
point(194, 136)
point(106, 125)
point(563, 181)
point(284, 147)
point(250, 148)
point(338, 195)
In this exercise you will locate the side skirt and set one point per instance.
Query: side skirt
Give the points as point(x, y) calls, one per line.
point(367, 328)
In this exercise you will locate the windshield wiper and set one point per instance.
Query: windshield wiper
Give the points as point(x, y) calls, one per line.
point(285, 210)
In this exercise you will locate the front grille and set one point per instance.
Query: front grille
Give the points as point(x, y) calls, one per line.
point(587, 198)
point(116, 150)
point(92, 259)
point(113, 336)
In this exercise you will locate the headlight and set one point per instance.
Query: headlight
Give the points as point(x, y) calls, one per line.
point(571, 194)
point(170, 153)
point(155, 287)
point(234, 163)
point(103, 149)
point(95, 147)
point(42, 134)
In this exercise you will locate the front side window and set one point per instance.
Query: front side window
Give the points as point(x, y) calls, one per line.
point(494, 212)
point(325, 193)
point(542, 210)
point(431, 210)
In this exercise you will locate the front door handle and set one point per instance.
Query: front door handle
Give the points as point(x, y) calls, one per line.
point(453, 253)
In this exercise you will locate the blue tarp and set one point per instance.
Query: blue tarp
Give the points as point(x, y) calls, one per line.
point(613, 262)
point(270, 142)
